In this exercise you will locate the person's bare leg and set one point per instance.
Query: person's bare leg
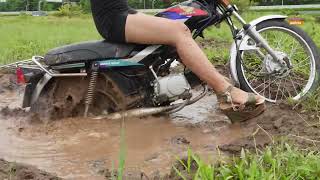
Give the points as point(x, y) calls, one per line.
point(146, 29)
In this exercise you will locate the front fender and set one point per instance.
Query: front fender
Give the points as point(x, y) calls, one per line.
point(233, 49)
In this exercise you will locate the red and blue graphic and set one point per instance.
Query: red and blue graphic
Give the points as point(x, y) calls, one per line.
point(182, 12)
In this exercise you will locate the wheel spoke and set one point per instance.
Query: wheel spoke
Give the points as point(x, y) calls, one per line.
point(298, 78)
point(294, 87)
point(279, 85)
point(285, 87)
point(259, 86)
point(297, 65)
point(266, 86)
point(275, 87)
point(293, 49)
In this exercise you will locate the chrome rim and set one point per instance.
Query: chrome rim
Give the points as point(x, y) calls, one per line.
point(294, 84)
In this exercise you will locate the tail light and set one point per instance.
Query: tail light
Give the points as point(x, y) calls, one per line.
point(20, 76)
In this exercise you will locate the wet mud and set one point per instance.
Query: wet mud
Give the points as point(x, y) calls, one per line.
point(14, 171)
point(79, 148)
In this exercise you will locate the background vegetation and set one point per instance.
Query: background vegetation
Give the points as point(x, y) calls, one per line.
point(24, 36)
point(32, 5)
point(281, 161)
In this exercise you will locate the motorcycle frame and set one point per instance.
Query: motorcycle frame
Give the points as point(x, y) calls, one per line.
point(223, 7)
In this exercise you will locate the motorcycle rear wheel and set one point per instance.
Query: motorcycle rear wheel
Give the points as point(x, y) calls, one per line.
point(64, 97)
point(262, 76)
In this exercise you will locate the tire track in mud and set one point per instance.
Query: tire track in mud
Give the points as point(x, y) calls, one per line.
point(79, 148)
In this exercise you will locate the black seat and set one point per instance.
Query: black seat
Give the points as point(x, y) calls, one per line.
point(86, 51)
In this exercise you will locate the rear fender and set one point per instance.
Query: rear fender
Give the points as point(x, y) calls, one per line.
point(32, 94)
point(233, 49)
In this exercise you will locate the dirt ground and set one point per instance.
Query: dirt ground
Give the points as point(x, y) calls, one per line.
point(79, 148)
point(14, 171)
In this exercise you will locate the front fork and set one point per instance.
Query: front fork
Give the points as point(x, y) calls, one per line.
point(260, 41)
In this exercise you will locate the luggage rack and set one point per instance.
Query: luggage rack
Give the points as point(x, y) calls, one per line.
point(28, 64)
point(34, 64)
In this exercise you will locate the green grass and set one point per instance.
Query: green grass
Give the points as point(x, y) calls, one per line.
point(122, 153)
point(119, 173)
point(279, 162)
point(24, 36)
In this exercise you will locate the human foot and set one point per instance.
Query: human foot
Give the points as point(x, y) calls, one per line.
point(239, 105)
point(241, 97)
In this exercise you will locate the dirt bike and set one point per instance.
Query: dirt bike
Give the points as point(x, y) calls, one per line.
point(269, 57)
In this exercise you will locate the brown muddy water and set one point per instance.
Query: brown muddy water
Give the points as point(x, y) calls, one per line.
point(79, 148)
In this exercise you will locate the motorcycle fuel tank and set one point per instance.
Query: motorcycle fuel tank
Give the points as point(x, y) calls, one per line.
point(184, 11)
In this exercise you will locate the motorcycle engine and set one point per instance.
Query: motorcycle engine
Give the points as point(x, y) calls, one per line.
point(171, 88)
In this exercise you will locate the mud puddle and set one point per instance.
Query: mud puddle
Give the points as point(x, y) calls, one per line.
point(84, 148)
point(79, 148)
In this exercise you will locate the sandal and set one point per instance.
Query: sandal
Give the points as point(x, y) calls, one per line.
point(239, 112)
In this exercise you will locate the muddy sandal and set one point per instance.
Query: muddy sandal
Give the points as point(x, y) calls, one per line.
point(239, 112)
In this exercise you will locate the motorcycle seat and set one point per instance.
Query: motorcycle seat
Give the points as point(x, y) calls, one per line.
point(87, 51)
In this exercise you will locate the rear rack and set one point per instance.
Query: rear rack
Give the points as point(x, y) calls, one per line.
point(23, 64)
point(35, 64)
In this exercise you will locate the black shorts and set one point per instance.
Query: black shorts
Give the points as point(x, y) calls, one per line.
point(118, 29)
point(114, 29)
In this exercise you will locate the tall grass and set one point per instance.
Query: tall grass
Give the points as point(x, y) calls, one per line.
point(279, 162)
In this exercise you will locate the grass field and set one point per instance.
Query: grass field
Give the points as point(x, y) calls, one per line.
point(25, 36)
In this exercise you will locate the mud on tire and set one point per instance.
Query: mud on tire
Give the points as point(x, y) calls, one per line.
point(65, 97)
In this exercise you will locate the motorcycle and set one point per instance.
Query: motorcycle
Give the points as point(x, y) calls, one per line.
point(269, 57)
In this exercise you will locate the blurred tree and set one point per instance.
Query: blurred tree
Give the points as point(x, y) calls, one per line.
point(85, 6)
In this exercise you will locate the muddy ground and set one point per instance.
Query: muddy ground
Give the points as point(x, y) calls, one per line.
point(79, 148)
point(15, 171)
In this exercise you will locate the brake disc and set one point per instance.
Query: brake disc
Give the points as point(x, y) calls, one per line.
point(275, 68)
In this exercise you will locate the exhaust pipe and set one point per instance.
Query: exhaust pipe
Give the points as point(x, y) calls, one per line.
point(141, 112)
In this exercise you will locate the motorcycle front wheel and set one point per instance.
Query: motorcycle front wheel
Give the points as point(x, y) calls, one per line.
point(259, 73)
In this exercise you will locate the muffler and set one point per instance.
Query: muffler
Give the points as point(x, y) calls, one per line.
point(141, 112)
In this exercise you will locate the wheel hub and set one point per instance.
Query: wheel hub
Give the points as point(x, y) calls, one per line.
point(276, 68)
